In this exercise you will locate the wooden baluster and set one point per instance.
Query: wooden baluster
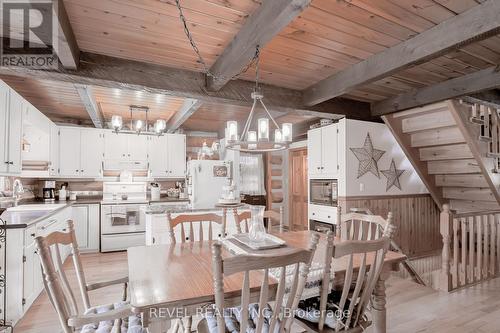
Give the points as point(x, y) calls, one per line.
point(479, 246)
point(470, 223)
point(444, 222)
point(486, 262)
point(497, 223)
point(493, 251)
point(455, 279)
point(463, 268)
point(494, 131)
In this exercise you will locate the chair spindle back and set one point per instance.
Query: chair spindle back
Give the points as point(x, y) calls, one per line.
point(204, 233)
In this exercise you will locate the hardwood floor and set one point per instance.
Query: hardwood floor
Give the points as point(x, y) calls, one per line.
point(411, 307)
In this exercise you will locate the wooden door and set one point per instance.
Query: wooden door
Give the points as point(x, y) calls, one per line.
point(298, 189)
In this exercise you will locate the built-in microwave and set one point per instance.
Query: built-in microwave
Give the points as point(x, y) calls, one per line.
point(323, 192)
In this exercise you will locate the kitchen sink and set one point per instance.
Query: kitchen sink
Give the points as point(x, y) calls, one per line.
point(35, 207)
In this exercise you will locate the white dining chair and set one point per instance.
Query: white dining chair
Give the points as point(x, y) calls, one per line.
point(346, 309)
point(209, 226)
point(243, 219)
point(258, 317)
point(117, 317)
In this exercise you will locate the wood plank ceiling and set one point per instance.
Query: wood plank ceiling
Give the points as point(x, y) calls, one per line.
point(327, 37)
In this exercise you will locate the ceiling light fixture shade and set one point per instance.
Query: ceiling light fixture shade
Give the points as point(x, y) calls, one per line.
point(258, 141)
point(138, 126)
point(160, 126)
point(116, 122)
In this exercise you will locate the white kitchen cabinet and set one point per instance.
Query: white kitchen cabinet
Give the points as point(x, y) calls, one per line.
point(54, 150)
point(115, 145)
point(36, 134)
point(86, 221)
point(124, 146)
point(11, 128)
point(80, 152)
point(137, 147)
point(322, 150)
point(69, 151)
point(176, 155)
point(167, 156)
point(92, 152)
point(157, 156)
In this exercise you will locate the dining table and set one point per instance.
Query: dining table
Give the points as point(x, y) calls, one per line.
point(174, 281)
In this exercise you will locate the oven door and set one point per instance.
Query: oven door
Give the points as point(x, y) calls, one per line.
point(122, 218)
point(323, 192)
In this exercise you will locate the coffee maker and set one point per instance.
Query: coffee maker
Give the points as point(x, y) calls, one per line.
point(49, 191)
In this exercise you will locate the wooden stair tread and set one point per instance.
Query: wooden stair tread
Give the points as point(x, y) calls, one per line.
point(437, 137)
point(461, 180)
point(434, 120)
point(445, 152)
point(465, 206)
point(463, 166)
point(462, 193)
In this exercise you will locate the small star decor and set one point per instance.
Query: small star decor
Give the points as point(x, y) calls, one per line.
point(392, 176)
point(368, 157)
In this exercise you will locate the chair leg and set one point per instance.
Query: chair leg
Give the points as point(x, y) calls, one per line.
point(187, 322)
point(125, 290)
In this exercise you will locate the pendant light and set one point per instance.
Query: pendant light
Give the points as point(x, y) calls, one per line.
point(258, 140)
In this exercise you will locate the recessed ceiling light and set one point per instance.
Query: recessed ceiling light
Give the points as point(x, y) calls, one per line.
point(117, 92)
point(159, 98)
point(138, 94)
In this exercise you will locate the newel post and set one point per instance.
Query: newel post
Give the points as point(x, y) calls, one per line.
point(445, 222)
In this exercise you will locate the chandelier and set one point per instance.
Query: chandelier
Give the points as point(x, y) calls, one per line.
point(139, 126)
point(258, 140)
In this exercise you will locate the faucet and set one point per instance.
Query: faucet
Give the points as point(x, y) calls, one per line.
point(17, 189)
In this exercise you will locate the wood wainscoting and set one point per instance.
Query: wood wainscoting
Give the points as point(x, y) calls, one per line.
point(416, 218)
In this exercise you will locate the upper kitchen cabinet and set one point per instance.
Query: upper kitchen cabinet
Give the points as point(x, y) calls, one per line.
point(127, 147)
point(167, 156)
point(322, 145)
point(54, 150)
point(176, 145)
point(80, 152)
point(11, 122)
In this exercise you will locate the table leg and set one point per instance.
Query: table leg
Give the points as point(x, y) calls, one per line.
point(378, 305)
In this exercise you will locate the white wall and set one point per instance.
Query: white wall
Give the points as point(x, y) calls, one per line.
point(354, 133)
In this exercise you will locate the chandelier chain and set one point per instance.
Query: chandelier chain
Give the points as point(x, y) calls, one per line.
point(206, 69)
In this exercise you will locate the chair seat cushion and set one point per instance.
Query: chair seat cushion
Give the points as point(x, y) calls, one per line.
point(232, 319)
point(132, 324)
point(308, 309)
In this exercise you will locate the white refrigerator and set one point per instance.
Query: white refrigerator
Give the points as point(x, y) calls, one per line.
point(205, 179)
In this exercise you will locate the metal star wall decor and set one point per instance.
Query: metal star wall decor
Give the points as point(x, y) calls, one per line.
point(368, 157)
point(392, 176)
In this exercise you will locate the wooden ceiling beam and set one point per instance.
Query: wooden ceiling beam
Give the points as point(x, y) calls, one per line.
point(485, 79)
point(265, 23)
point(90, 104)
point(187, 109)
point(111, 72)
point(66, 46)
point(480, 22)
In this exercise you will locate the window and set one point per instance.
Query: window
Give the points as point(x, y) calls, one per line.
point(252, 174)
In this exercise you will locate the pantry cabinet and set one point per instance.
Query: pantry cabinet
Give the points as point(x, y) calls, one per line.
point(80, 152)
point(167, 156)
point(11, 123)
point(322, 146)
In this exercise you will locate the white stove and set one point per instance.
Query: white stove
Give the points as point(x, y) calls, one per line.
point(122, 216)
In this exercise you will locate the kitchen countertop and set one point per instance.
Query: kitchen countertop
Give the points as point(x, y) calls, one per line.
point(23, 219)
point(159, 210)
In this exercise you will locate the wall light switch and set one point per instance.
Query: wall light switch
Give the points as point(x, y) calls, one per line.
point(361, 187)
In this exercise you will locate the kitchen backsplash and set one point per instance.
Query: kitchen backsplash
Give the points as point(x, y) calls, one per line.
point(33, 186)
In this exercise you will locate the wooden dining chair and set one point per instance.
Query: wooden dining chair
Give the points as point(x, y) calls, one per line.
point(107, 318)
point(243, 218)
point(267, 318)
point(206, 227)
point(357, 226)
point(347, 313)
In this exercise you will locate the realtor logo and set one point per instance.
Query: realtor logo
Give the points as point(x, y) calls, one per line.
point(28, 33)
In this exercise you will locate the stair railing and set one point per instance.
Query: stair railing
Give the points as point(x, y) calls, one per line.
point(471, 248)
point(489, 119)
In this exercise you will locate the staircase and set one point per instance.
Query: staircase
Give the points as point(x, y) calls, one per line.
point(455, 149)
